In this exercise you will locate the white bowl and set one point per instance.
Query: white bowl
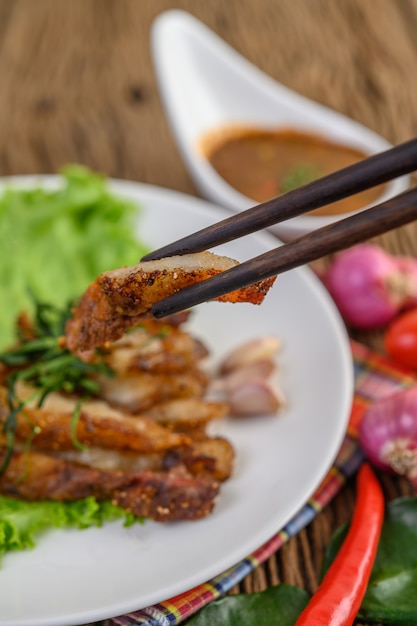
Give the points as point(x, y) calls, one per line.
point(206, 85)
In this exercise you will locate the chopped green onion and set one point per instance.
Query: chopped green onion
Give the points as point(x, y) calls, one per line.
point(74, 423)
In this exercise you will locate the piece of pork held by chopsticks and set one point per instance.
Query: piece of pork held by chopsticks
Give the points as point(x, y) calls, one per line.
point(119, 299)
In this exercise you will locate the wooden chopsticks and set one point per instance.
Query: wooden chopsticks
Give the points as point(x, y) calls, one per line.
point(372, 171)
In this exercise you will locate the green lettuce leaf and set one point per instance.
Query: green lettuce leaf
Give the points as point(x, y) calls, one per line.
point(21, 522)
point(53, 243)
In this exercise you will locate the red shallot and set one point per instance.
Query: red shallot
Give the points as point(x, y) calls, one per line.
point(370, 286)
point(388, 433)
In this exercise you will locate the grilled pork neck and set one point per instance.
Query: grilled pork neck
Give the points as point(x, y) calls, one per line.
point(119, 299)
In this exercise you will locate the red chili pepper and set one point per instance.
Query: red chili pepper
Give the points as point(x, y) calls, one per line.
point(340, 594)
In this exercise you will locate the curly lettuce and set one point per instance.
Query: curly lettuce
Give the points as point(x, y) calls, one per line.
point(22, 522)
point(53, 243)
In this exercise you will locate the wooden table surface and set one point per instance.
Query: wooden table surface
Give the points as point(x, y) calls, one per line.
point(77, 85)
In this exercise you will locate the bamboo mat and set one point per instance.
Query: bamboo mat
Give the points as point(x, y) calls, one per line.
point(77, 85)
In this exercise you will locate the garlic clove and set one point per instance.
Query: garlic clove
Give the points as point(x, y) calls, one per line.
point(260, 349)
point(258, 370)
point(258, 397)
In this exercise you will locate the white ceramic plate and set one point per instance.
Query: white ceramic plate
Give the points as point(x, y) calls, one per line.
point(74, 577)
point(207, 85)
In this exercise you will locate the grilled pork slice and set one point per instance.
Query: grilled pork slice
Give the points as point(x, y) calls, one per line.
point(135, 393)
point(154, 347)
point(189, 415)
point(119, 299)
point(161, 496)
point(209, 456)
point(112, 460)
point(51, 427)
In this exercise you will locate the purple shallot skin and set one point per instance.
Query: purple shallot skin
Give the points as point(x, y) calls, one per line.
point(371, 286)
point(388, 433)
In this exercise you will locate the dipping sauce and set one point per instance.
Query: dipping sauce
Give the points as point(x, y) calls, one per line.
point(262, 164)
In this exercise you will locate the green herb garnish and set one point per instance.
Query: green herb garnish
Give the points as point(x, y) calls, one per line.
point(299, 175)
point(41, 360)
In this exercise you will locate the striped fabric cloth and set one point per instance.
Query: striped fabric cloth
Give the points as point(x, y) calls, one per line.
point(375, 377)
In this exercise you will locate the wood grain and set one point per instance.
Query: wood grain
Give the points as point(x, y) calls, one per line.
point(77, 85)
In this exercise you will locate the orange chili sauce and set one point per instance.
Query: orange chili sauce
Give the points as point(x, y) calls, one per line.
point(262, 164)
